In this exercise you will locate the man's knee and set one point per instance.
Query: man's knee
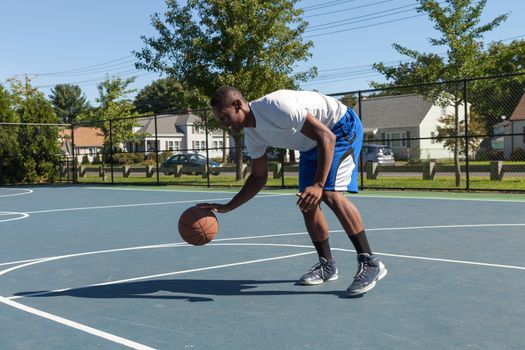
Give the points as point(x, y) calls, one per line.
point(333, 198)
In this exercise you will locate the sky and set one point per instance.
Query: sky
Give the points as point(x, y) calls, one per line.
point(85, 42)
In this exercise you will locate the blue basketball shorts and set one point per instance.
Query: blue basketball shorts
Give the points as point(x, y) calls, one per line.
point(343, 175)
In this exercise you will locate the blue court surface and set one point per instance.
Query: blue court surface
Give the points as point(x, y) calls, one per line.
point(105, 268)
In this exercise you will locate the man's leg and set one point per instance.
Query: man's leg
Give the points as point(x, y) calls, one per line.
point(369, 268)
point(350, 219)
point(326, 269)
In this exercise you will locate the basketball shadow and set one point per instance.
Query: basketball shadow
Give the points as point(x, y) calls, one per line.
point(198, 290)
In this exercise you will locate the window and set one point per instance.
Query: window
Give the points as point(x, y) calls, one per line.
point(169, 145)
point(396, 139)
point(203, 144)
point(176, 145)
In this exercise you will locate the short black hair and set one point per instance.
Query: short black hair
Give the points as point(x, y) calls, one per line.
point(221, 93)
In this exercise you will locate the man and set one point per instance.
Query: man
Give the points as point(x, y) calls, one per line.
point(329, 136)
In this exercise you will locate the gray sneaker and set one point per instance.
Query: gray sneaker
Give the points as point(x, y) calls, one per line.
point(323, 271)
point(369, 271)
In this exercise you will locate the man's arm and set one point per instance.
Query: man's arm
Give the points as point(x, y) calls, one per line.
point(325, 139)
point(252, 186)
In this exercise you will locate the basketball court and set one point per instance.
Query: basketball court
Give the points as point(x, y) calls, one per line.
point(105, 268)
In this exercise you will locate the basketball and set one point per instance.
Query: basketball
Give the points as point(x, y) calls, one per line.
point(198, 226)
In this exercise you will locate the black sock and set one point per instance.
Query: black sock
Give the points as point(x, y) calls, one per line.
point(323, 249)
point(360, 243)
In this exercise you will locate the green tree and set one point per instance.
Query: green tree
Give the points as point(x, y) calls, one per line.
point(68, 102)
point(115, 115)
point(168, 94)
point(252, 45)
point(38, 144)
point(9, 148)
point(499, 97)
point(458, 21)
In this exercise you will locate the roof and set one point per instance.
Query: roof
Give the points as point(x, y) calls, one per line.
point(167, 123)
point(519, 111)
point(86, 136)
point(393, 111)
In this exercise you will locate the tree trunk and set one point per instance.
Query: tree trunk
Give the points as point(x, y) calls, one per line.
point(238, 157)
point(291, 152)
point(223, 146)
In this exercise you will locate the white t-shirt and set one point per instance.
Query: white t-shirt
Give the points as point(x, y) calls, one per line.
point(279, 118)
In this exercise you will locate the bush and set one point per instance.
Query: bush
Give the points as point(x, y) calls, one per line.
point(85, 159)
point(497, 155)
point(127, 158)
point(97, 160)
point(517, 154)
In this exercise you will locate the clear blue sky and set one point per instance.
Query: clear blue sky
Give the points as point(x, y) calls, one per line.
point(81, 42)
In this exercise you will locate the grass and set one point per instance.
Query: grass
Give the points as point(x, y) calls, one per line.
point(509, 183)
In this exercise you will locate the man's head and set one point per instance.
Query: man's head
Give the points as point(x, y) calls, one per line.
point(230, 107)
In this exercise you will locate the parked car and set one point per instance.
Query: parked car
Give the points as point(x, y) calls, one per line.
point(189, 159)
point(381, 154)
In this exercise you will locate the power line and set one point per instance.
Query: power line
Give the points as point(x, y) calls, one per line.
point(324, 5)
point(359, 19)
point(361, 27)
point(347, 9)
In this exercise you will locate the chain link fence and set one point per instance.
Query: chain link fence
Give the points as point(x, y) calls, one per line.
point(458, 135)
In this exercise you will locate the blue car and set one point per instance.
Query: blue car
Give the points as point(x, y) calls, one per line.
point(190, 160)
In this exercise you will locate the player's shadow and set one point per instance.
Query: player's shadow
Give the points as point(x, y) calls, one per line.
point(192, 290)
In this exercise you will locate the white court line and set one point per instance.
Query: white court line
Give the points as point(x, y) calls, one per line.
point(359, 195)
point(114, 338)
point(76, 325)
point(15, 194)
point(167, 245)
point(139, 204)
point(6, 213)
point(148, 277)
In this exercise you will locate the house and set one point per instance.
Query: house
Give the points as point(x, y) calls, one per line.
point(517, 128)
point(88, 141)
point(407, 123)
point(177, 132)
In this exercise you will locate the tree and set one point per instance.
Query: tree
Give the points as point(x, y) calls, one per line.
point(68, 102)
point(167, 94)
point(115, 114)
point(458, 21)
point(9, 148)
point(252, 45)
point(39, 149)
point(499, 97)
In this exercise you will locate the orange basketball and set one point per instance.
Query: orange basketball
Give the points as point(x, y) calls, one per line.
point(198, 226)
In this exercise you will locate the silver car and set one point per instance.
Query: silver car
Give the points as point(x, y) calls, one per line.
point(381, 154)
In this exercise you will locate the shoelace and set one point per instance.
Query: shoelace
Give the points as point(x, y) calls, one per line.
point(361, 271)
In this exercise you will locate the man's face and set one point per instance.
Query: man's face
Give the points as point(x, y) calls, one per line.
point(230, 114)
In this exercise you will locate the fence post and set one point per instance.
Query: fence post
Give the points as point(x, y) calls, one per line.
point(111, 148)
point(465, 106)
point(73, 154)
point(207, 148)
point(156, 150)
point(361, 155)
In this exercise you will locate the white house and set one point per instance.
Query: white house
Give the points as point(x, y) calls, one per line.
point(177, 133)
point(408, 123)
point(517, 127)
point(88, 142)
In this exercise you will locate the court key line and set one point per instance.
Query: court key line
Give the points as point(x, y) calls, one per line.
point(251, 237)
point(15, 194)
point(112, 337)
point(140, 204)
point(132, 344)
